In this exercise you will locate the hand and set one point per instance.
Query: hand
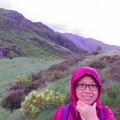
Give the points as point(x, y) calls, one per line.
point(87, 111)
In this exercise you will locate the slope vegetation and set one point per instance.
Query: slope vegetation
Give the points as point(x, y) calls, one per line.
point(26, 38)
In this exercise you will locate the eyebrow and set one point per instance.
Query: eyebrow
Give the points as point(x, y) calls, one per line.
point(86, 83)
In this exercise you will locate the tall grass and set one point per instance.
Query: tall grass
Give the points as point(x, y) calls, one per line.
point(10, 69)
point(62, 85)
point(7, 115)
point(46, 114)
point(27, 66)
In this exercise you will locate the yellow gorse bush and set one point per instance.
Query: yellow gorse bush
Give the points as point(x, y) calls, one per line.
point(37, 101)
point(23, 80)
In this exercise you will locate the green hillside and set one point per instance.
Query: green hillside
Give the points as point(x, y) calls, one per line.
point(26, 38)
point(41, 59)
point(57, 78)
point(108, 65)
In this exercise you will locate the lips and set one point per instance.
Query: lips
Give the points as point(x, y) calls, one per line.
point(87, 98)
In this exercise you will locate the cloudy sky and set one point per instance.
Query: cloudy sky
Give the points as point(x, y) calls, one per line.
point(99, 19)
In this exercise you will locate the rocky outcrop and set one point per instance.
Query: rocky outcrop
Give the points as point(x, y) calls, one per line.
point(4, 52)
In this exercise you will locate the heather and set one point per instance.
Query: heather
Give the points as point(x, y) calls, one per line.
point(35, 59)
point(56, 78)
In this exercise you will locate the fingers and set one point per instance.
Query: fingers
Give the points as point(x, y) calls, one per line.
point(81, 103)
point(81, 106)
point(87, 111)
point(78, 108)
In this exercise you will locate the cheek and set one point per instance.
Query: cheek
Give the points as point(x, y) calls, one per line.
point(96, 94)
point(78, 94)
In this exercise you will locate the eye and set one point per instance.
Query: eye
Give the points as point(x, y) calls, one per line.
point(81, 84)
point(93, 85)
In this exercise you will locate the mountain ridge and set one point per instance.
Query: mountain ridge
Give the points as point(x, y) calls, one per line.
point(89, 44)
point(22, 37)
point(18, 30)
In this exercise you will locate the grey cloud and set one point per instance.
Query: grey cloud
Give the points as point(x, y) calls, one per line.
point(5, 4)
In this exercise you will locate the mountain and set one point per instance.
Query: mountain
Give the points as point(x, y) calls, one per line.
point(89, 44)
point(23, 37)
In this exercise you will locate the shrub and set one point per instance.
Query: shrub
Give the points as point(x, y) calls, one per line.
point(106, 100)
point(13, 100)
point(17, 91)
point(116, 110)
point(114, 71)
point(15, 86)
point(36, 101)
point(1, 42)
point(32, 86)
point(11, 55)
point(95, 52)
point(23, 80)
point(114, 58)
point(111, 95)
point(98, 64)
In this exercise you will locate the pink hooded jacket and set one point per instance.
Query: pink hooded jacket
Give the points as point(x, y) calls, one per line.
point(78, 73)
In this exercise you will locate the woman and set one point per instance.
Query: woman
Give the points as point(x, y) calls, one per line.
point(86, 88)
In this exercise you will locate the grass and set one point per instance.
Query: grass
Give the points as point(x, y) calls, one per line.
point(6, 115)
point(46, 114)
point(22, 66)
point(10, 69)
point(61, 85)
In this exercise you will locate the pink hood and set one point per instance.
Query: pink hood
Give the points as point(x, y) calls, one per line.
point(80, 72)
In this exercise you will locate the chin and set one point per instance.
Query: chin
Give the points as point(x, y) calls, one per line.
point(88, 102)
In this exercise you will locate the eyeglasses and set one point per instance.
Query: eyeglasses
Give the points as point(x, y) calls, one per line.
point(83, 86)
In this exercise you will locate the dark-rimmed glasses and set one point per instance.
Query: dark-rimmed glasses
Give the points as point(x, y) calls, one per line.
point(83, 86)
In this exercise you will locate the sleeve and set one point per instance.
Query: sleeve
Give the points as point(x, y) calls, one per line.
point(109, 115)
point(58, 114)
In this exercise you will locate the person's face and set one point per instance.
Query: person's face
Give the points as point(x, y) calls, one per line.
point(87, 94)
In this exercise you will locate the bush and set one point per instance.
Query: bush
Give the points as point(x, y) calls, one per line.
point(13, 100)
point(106, 100)
point(114, 71)
point(11, 55)
point(111, 95)
point(26, 83)
point(23, 80)
point(17, 91)
point(100, 64)
point(15, 86)
point(37, 101)
point(114, 59)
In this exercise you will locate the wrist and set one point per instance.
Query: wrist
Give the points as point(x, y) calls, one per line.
point(95, 118)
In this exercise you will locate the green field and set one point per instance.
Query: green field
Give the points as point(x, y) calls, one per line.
point(10, 69)
point(105, 62)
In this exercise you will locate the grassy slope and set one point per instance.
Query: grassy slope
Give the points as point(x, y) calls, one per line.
point(10, 69)
point(60, 85)
point(63, 85)
point(29, 47)
point(33, 39)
